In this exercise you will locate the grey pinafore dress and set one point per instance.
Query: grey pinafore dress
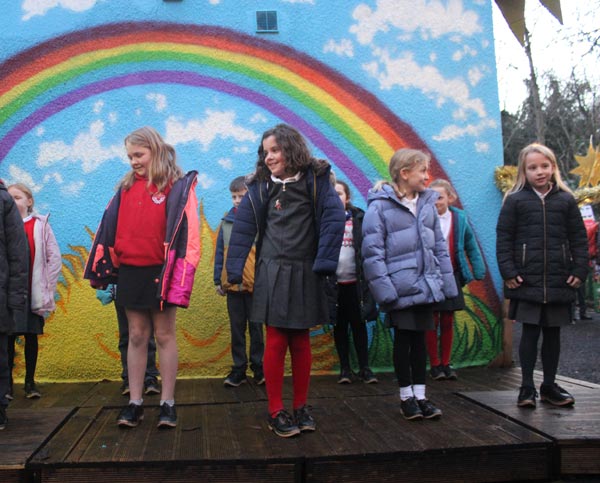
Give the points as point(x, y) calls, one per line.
point(287, 293)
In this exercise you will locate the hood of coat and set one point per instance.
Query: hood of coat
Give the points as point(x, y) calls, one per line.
point(387, 192)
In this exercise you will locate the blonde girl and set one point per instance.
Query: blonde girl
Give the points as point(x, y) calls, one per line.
point(407, 266)
point(542, 253)
point(148, 243)
point(44, 269)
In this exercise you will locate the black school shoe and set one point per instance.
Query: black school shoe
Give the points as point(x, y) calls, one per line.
point(554, 394)
point(345, 376)
point(449, 373)
point(428, 409)
point(235, 379)
point(527, 395)
point(167, 417)
point(367, 376)
point(410, 409)
point(130, 416)
point(283, 424)
point(437, 373)
point(304, 420)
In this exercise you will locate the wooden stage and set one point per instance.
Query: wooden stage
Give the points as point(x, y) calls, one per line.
point(70, 435)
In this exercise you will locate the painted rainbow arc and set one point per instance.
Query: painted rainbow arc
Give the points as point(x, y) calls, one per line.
point(349, 124)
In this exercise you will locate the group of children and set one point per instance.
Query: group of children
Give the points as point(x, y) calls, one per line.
point(293, 253)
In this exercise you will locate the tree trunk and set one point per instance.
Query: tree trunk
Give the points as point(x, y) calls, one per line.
point(540, 124)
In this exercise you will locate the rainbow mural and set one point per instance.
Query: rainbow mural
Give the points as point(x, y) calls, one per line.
point(56, 74)
point(347, 123)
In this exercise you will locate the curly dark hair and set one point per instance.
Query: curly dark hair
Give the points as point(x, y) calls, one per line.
point(294, 148)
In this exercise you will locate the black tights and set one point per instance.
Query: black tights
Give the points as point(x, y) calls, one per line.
point(528, 349)
point(349, 314)
point(410, 357)
point(31, 355)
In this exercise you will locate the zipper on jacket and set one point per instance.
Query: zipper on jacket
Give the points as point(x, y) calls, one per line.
point(545, 248)
point(524, 251)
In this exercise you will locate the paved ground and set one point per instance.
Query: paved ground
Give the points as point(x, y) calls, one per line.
point(580, 344)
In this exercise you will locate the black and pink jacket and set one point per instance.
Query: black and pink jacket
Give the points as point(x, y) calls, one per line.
point(182, 245)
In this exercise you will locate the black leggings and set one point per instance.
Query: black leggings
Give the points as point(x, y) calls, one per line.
point(31, 355)
point(528, 349)
point(349, 313)
point(410, 357)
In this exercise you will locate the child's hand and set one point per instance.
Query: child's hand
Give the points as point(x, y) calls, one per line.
point(220, 290)
point(514, 282)
point(573, 281)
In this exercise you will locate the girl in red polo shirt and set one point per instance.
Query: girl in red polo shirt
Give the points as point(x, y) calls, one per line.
point(148, 243)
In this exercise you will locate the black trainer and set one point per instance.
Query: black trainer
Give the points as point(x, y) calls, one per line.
point(283, 425)
point(410, 409)
point(130, 416)
point(151, 386)
point(554, 394)
point(367, 376)
point(345, 376)
point(449, 373)
point(235, 379)
point(259, 378)
point(31, 391)
point(304, 420)
point(437, 373)
point(167, 417)
point(428, 409)
point(527, 395)
point(3, 418)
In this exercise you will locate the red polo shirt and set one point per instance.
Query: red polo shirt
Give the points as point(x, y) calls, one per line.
point(141, 227)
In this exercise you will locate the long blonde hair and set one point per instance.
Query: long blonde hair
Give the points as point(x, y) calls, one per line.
point(27, 191)
point(404, 158)
point(163, 170)
point(521, 180)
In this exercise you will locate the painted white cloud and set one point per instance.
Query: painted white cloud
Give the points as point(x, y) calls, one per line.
point(72, 189)
point(159, 100)
point(463, 52)
point(241, 149)
point(86, 150)
point(311, 2)
point(454, 132)
point(113, 117)
point(205, 181)
point(31, 8)
point(475, 75)
point(405, 72)
point(482, 147)
point(342, 48)
point(258, 117)
point(54, 177)
point(19, 175)
point(225, 163)
point(216, 125)
point(430, 18)
point(40, 131)
point(98, 105)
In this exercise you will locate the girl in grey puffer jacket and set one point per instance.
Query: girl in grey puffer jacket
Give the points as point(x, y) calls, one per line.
point(407, 267)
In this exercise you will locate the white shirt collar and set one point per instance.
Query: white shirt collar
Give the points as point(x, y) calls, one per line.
point(292, 179)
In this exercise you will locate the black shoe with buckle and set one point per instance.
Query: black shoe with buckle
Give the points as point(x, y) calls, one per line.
point(527, 395)
point(410, 409)
point(449, 373)
point(304, 420)
point(367, 376)
point(554, 394)
point(130, 416)
point(283, 425)
point(345, 376)
point(428, 409)
point(167, 417)
point(235, 379)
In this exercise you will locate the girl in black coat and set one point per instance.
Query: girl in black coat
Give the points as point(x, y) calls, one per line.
point(542, 255)
point(350, 302)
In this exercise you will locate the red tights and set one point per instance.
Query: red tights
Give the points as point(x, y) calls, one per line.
point(278, 341)
point(445, 321)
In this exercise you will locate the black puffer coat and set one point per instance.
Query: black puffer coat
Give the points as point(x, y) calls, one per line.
point(14, 261)
point(366, 301)
point(543, 241)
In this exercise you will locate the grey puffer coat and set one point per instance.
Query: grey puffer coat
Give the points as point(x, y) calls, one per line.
point(405, 258)
point(544, 242)
point(14, 262)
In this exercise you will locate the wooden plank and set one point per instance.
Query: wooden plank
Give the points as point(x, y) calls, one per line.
point(27, 431)
point(60, 394)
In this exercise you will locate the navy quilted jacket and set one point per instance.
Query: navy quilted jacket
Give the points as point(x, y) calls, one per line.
point(250, 218)
point(543, 241)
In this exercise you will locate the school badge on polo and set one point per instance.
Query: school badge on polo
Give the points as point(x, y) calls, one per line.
point(278, 205)
point(158, 197)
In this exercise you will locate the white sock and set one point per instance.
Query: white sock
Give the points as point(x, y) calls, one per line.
point(419, 390)
point(137, 402)
point(406, 393)
point(170, 402)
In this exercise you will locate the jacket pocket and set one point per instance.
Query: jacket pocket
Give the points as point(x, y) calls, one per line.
point(404, 276)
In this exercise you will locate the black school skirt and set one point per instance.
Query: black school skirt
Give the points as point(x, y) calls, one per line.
point(137, 288)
